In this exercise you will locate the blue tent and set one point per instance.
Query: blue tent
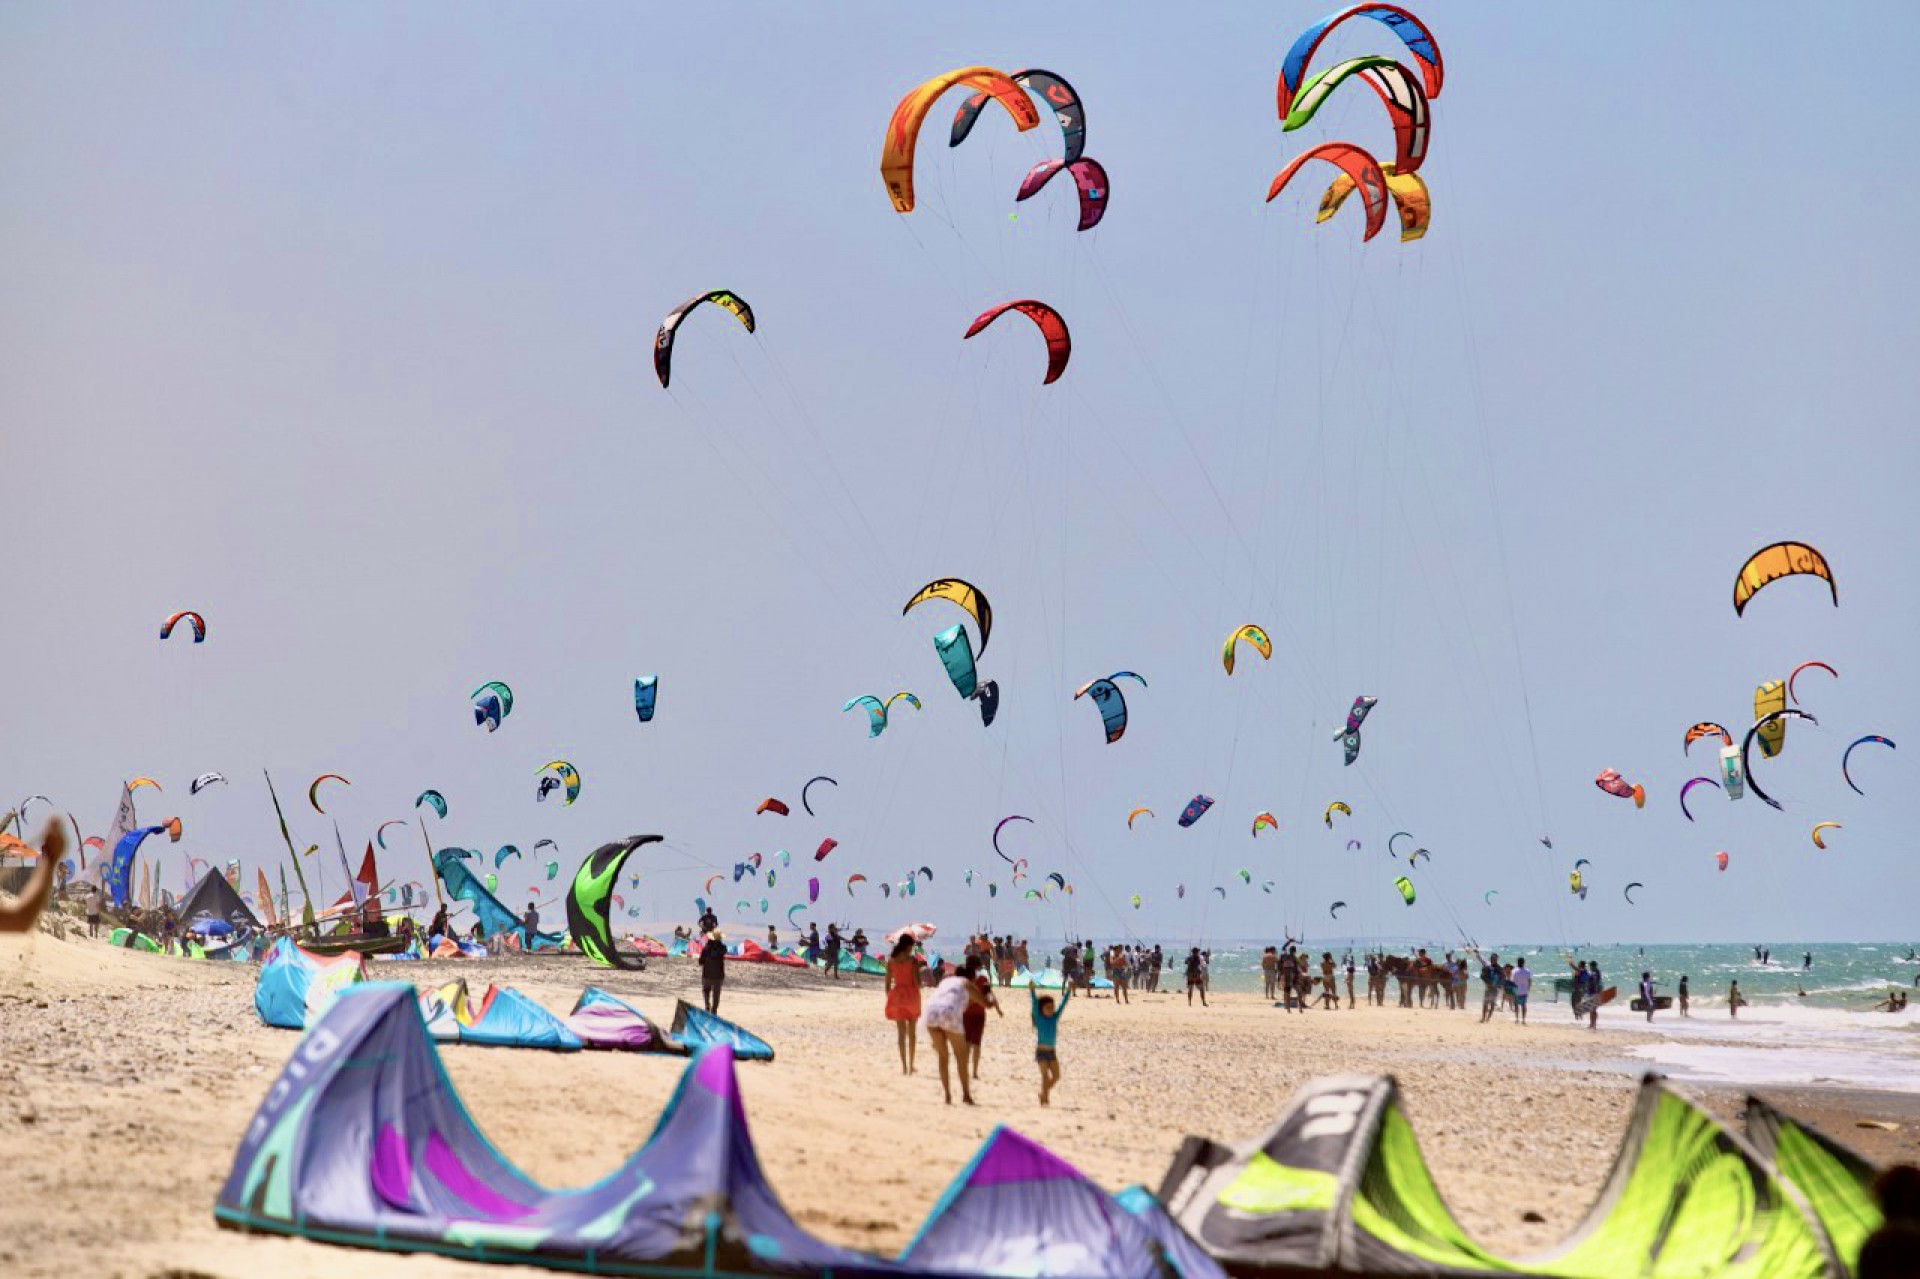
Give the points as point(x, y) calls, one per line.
point(697, 1028)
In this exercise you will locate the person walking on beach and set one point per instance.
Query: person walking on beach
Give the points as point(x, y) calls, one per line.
point(1329, 997)
point(529, 923)
point(1121, 974)
point(1046, 1032)
point(1196, 977)
point(1646, 993)
point(713, 970)
point(1683, 996)
point(946, 1014)
point(974, 1024)
point(1349, 981)
point(1734, 999)
point(1491, 980)
point(1269, 972)
point(831, 956)
point(813, 942)
point(903, 999)
point(96, 899)
point(1522, 984)
point(1154, 961)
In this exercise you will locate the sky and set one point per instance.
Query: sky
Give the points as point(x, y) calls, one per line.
point(334, 324)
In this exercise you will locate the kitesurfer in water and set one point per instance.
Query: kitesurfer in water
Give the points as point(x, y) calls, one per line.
point(1734, 999)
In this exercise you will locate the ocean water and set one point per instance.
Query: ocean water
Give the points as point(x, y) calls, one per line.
point(1829, 1036)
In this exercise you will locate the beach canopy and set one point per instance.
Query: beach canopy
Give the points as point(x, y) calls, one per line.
point(296, 986)
point(603, 1021)
point(363, 1140)
point(1337, 1185)
point(697, 1029)
point(213, 900)
point(1836, 1183)
point(1020, 1209)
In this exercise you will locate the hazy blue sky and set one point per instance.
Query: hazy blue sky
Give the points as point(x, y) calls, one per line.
point(334, 322)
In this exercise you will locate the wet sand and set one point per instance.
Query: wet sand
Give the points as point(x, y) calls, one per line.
point(126, 1080)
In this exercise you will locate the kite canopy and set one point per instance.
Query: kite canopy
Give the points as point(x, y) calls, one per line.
point(966, 595)
point(1089, 181)
point(663, 340)
point(645, 690)
point(1196, 809)
point(296, 987)
point(1399, 92)
point(198, 622)
point(589, 901)
point(699, 1029)
point(903, 130)
point(1771, 563)
point(1059, 95)
point(1412, 32)
point(1107, 698)
point(434, 800)
point(1405, 886)
point(1019, 1209)
point(603, 1021)
point(1337, 1185)
point(1052, 328)
point(568, 776)
point(1358, 165)
point(1256, 639)
point(363, 1141)
point(495, 919)
point(1407, 192)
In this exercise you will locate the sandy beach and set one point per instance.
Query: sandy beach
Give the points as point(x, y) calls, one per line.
point(128, 1078)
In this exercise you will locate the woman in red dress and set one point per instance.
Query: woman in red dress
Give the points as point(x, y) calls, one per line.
point(903, 998)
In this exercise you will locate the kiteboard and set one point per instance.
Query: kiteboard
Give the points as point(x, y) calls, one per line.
point(1660, 1003)
point(1591, 1002)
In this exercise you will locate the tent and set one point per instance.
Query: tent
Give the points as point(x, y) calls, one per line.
point(295, 986)
point(1836, 1183)
point(214, 898)
point(698, 1028)
point(363, 1140)
point(602, 1021)
point(1337, 1185)
point(1019, 1209)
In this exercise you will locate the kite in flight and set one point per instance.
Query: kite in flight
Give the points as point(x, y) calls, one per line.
point(1356, 716)
point(663, 341)
point(1112, 706)
point(1771, 563)
point(1256, 639)
point(1412, 32)
point(903, 130)
point(1052, 328)
point(199, 625)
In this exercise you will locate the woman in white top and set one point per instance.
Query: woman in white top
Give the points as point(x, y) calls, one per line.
point(944, 1015)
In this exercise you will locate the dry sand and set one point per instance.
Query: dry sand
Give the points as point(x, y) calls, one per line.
point(126, 1080)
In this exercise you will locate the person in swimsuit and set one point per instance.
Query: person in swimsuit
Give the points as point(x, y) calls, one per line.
point(974, 1023)
point(1046, 1030)
point(1196, 977)
point(903, 998)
